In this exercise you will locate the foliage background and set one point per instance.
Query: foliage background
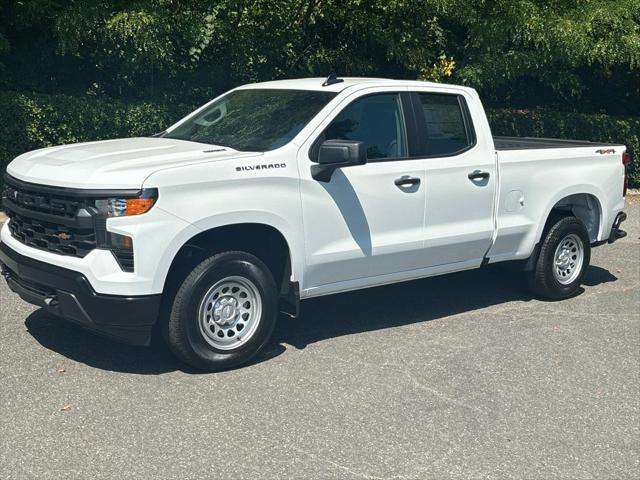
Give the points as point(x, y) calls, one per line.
point(75, 70)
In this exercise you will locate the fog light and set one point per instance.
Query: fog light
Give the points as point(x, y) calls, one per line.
point(121, 247)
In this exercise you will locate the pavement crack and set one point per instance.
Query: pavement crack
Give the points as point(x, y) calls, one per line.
point(416, 383)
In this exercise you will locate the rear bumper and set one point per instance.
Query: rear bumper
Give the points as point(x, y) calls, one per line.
point(616, 232)
point(69, 295)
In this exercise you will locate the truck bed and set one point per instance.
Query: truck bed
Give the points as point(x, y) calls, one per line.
point(531, 143)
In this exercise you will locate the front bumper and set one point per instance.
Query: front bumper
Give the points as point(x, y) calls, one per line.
point(69, 295)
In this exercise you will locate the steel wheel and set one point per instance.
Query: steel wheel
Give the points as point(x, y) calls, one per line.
point(229, 313)
point(568, 259)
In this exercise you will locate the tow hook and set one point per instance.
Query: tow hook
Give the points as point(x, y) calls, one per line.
point(616, 232)
point(51, 301)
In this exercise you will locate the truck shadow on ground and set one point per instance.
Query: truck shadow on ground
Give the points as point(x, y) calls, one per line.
point(321, 319)
point(412, 302)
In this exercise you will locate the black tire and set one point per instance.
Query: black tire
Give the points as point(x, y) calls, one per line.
point(183, 332)
point(542, 280)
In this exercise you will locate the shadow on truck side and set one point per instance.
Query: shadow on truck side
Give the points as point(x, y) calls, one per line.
point(321, 319)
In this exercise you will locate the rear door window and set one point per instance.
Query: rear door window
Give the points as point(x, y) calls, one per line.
point(444, 128)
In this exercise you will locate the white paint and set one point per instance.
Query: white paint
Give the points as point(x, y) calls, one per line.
point(356, 231)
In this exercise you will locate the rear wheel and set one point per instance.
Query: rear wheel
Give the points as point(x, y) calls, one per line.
point(562, 261)
point(223, 313)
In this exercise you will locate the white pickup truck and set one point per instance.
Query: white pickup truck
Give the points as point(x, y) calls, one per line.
point(281, 191)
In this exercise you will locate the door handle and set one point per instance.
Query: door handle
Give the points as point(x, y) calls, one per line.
point(407, 181)
point(478, 175)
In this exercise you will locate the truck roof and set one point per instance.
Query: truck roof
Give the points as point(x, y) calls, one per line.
point(316, 83)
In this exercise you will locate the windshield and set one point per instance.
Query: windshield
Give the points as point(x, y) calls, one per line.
point(253, 120)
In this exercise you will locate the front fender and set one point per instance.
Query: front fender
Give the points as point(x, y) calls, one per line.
point(218, 194)
point(227, 219)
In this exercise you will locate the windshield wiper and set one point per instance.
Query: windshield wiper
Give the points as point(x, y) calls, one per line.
point(216, 144)
point(251, 148)
point(240, 148)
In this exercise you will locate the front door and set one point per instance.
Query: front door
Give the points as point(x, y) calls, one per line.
point(367, 221)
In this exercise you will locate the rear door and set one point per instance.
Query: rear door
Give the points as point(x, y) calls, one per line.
point(460, 177)
point(368, 220)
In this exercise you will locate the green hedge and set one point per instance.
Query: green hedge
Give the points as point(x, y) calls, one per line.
point(29, 121)
point(577, 126)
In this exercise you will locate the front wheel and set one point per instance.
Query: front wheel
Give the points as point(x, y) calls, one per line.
point(562, 261)
point(223, 313)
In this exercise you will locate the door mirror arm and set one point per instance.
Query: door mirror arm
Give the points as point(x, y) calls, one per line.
point(334, 154)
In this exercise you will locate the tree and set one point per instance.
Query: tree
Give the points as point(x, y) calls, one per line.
point(211, 45)
point(558, 51)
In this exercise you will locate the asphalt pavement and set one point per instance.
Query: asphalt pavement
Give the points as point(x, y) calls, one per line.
point(462, 376)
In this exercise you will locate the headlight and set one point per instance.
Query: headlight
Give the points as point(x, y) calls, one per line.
point(124, 207)
point(121, 246)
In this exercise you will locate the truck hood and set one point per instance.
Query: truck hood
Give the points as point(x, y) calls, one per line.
point(121, 163)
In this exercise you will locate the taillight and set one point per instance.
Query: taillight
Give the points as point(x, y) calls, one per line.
point(626, 161)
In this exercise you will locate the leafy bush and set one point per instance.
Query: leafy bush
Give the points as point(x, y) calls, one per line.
point(31, 121)
point(578, 126)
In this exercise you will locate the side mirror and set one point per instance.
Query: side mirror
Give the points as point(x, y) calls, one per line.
point(334, 154)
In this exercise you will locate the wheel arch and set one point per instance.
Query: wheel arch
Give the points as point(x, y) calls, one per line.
point(263, 240)
point(583, 202)
point(238, 231)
